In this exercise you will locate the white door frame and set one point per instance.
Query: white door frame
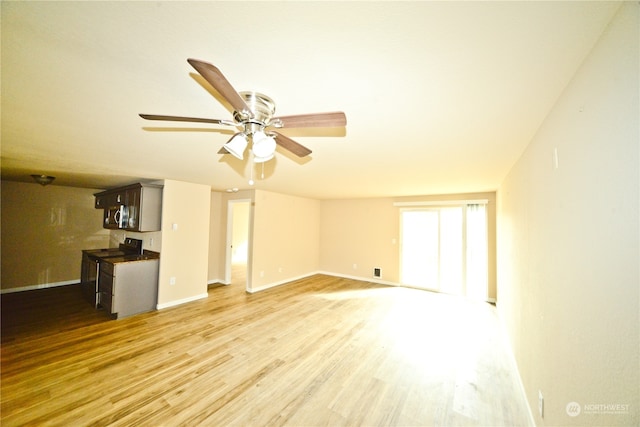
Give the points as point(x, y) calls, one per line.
point(228, 253)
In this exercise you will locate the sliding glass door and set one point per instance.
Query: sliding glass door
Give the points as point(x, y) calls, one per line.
point(420, 248)
point(445, 249)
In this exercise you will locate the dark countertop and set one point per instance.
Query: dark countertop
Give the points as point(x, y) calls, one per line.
point(146, 256)
point(103, 253)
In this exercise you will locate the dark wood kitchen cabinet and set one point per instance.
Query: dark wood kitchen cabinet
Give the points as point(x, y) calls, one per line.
point(101, 201)
point(140, 204)
point(110, 198)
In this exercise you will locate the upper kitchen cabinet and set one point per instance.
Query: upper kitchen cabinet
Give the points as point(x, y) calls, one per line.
point(144, 207)
point(136, 207)
point(110, 198)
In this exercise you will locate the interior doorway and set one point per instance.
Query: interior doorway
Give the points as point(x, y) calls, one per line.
point(237, 253)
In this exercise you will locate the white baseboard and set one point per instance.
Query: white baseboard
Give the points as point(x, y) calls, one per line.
point(40, 286)
point(281, 282)
point(383, 282)
point(181, 301)
point(326, 273)
point(360, 278)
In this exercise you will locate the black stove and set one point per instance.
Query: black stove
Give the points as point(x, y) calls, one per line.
point(131, 246)
point(91, 259)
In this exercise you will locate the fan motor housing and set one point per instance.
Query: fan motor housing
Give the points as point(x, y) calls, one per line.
point(262, 107)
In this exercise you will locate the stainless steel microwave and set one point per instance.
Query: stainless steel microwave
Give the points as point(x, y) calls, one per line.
point(115, 216)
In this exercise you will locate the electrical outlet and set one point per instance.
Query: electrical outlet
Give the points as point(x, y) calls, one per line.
point(355, 266)
point(377, 273)
point(540, 404)
point(172, 280)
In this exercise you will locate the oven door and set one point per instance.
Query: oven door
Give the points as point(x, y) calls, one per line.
point(89, 279)
point(115, 217)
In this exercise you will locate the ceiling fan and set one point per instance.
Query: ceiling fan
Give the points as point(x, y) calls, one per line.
point(253, 115)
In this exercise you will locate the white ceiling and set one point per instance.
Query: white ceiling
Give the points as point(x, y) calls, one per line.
point(440, 97)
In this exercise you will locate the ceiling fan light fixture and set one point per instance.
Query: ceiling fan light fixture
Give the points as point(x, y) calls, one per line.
point(257, 159)
point(43, 179)
point(236, 145)
point(264, 147)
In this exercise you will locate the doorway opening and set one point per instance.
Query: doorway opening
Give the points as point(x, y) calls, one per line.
point(238, 242)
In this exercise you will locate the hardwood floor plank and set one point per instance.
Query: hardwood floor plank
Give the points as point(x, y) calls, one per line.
point(317, 351)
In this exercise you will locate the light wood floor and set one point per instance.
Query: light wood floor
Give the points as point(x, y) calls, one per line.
point(318, 351)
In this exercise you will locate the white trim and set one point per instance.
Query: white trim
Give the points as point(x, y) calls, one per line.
point(399, 285)
point(362, 279)
point(40, 286)
point(281, 282)
point(181, 301)
point(381, 282)
point(326, 273)
point(442, 203)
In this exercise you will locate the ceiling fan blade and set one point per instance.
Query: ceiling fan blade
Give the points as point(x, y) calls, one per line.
point(186, 119)
point(215, 77)
point(333, 119)
point(289, 144)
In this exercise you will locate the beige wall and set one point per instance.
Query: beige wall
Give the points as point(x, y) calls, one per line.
point(44, 230)
point(569, 243)
point(291, 237)
point(358, 235)
point(360, 232)
point(216, 239)
point(285, 239)
point(185, 246)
